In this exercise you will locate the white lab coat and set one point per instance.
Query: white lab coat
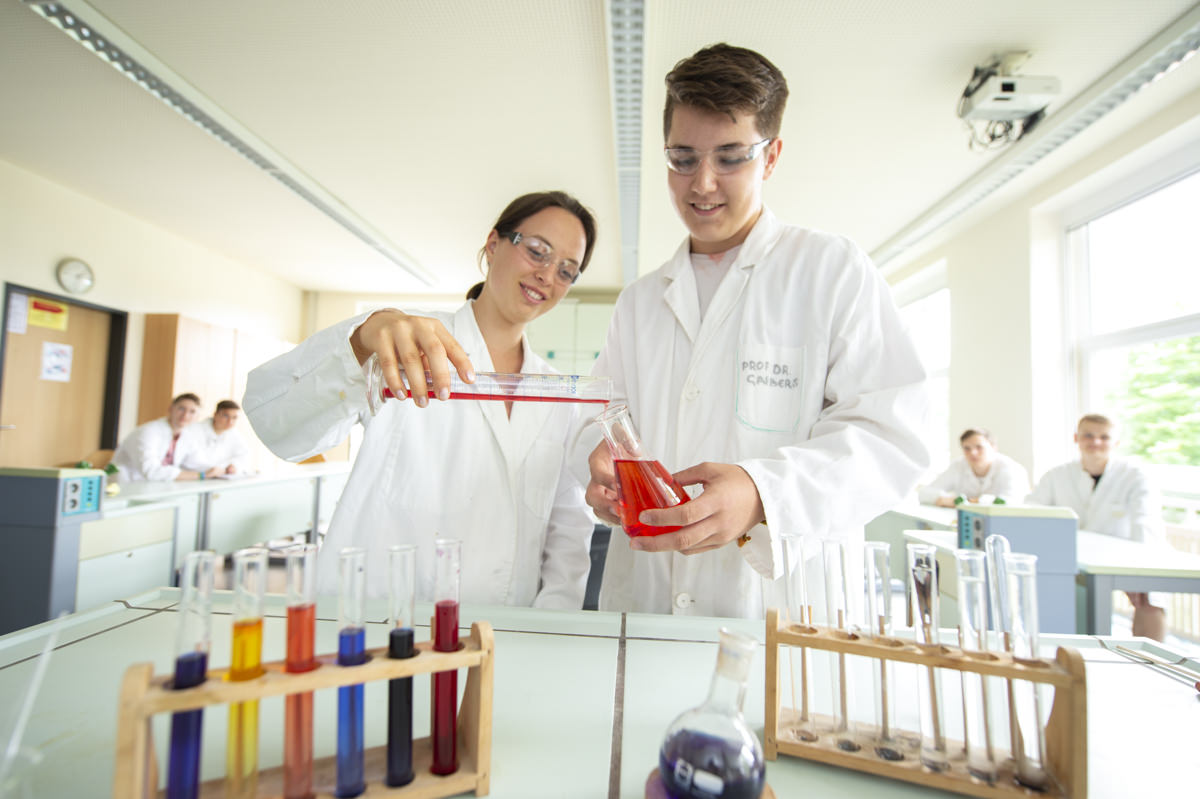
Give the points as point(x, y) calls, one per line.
point(1124, 503)
point(800, 372)
point(1005, 478)
point(139, 457)
point(457, 469)
point(218, 449)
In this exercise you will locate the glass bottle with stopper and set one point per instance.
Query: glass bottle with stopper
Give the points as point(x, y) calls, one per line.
point(710, 751)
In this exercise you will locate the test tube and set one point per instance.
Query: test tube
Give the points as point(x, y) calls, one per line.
point(1030, 754)
point(973, 637)
point(402, 571)
point(352, 565)
point(447, 561)
point(301, 579)
point(241, 748)
point(837, 606)
point(997, 547)
point(878, 619)
point(922, 570)
point(800, 614)
point(191, 664)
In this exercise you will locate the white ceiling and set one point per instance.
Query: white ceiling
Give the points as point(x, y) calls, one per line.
point(422, 118)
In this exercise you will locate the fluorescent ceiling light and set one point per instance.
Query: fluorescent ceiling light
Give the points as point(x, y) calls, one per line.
point(95, 32)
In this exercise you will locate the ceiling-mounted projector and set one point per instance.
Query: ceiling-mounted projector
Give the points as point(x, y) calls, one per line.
point(1008, 98)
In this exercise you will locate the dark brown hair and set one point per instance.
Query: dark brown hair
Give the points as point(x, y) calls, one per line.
point(228, 405)
point(977, 431)
point(526, 206)
point(188, 396)
point(727, 79)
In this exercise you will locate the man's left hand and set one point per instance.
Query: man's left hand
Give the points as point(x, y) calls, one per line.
point(729, 506)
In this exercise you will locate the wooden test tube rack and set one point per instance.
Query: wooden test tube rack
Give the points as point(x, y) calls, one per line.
point(1066, 730)
point(144, 695)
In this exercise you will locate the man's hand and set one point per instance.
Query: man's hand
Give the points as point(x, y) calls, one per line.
point(729, 506)
point(601, 492)
point(416, 343)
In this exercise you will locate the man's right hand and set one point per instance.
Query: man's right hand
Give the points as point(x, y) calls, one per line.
point(416, 343)
point(602, 488)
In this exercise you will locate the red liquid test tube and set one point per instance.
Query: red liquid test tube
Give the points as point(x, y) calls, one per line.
point(298, 708)
point(447, 561)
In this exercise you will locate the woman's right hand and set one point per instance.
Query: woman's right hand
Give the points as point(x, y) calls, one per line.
point(416, 344)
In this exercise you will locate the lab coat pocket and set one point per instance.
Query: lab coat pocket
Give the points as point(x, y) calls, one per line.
point(770, 394)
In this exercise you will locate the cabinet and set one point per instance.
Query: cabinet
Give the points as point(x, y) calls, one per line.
point(182, 355)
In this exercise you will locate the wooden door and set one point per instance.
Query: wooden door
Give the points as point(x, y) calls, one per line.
point(46, 421)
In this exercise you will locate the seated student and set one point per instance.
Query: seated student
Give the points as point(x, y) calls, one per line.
point(1113, 496)
point(981, 471)
point(156, 450)
point(221, 447)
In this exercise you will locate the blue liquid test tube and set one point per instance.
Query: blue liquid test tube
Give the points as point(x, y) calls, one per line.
point(191, 663)
point(402, 570)
point(351, 648)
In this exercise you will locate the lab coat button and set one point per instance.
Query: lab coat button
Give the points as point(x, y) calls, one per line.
point(683, 600)
point(691, 392)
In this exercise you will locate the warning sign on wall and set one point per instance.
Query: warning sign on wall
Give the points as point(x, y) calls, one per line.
point(48, 313)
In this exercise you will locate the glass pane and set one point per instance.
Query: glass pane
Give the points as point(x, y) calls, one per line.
point(1153, 390)
point(1144, 259)
point(928, 322)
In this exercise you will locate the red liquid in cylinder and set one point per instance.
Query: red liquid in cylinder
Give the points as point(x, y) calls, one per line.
point(445, 691)
point(643, 485)
point(387, 394)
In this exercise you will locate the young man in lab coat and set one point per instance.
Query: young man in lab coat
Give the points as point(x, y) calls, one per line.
point(221, 447)
point(765, 361)
point(1113, 496)
point(156, 450)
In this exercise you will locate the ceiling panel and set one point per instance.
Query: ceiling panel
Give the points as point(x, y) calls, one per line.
point(424, 118)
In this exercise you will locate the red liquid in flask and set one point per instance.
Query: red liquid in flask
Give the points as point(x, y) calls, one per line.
point(445, 691)
point(643, 485)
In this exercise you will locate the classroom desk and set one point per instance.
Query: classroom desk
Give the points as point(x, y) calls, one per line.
point(581, 701)
point(1107, 564)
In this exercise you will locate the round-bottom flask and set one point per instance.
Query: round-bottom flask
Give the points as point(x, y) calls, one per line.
point(710, 751)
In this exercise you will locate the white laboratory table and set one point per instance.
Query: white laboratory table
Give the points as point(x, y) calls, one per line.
point(1107, 564)
point(581, 702)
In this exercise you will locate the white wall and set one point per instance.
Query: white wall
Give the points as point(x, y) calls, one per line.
point(139, 269)
point(1008, 347)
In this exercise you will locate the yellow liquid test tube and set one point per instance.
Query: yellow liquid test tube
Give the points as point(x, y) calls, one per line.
point(241, 747)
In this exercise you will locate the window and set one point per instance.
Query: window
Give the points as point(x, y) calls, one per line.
point(925, 308)
point(1136, 273)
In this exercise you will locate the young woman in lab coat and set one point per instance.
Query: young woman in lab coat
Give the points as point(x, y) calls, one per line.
point(764, 360)
point(489, 473)
point(980, 472)
point(1113, 496)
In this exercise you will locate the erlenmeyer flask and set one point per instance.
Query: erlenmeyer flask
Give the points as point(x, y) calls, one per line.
point(642, 482)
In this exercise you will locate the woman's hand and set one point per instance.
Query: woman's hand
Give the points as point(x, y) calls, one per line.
point(415, 344)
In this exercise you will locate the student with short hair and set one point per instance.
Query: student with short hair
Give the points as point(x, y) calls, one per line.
point(982, 474)
point(764, 360)
point(221, 446)
point(1113, 496)
point(157, 450)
